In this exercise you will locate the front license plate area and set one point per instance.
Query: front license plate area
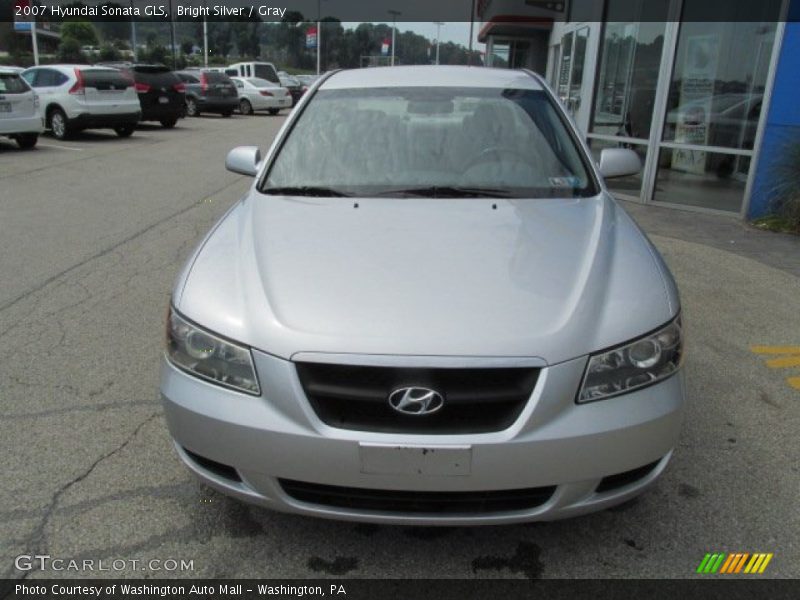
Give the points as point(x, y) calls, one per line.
point(440, 461)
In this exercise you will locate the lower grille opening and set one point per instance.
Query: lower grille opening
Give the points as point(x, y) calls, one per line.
point(219, 469)
point(417, 502)
point(613, 482)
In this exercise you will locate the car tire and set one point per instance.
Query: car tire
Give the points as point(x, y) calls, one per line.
point(124, 131)
point(168, 123)
point(26, 141)
point(227, 113)
point(245, 107)
point(192, 110)
point(59, 126)
point(274, 111)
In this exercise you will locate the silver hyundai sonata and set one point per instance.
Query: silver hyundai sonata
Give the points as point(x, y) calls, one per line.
point(427, 310)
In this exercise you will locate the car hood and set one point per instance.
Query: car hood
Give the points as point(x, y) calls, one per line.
point(546, 278)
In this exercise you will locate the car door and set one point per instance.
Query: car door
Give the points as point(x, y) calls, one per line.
point(46, 82)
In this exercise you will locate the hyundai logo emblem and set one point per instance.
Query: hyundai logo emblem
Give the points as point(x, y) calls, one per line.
point(416, 401)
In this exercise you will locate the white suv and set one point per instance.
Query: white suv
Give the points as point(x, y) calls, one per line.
point(20, 117)
point(77, 97)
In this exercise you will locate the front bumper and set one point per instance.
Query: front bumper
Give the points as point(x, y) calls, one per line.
point(554, 442)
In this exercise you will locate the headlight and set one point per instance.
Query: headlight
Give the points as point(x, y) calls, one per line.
point(208, 356)
point(635, 365)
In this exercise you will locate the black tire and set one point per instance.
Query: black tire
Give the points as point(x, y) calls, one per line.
point(245, 107)
point(26, 141)
point(192, 110)
point(227, 113)
point(124, 131)
point(169, 123)
point(59, 126)
point(274, 111)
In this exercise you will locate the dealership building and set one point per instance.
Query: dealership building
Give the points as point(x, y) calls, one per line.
point(707, 92)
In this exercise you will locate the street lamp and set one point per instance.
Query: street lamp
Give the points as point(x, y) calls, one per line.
point(395, 14)
point(438, 29)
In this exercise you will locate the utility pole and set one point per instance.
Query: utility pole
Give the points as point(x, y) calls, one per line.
point(438, 35)
point(471, 24)
point(395, 14)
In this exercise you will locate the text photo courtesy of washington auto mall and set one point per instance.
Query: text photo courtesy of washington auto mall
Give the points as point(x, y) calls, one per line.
point(399, 299)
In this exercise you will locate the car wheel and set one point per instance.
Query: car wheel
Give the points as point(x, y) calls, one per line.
point(59, 125)
point(26, 141)
point(192, 109)
point(168, 123)
point(227, 113)
point(245, 107)
point(125, 130)
point(274, 111)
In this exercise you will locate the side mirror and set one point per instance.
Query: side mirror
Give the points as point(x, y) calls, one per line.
point(619, 162)
point(244, 160)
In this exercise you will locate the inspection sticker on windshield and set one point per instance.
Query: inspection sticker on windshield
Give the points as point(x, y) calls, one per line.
point(565, 182)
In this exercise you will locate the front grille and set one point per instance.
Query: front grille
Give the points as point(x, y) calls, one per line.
point(475, 400)
point(613, 482)
point(493, 501)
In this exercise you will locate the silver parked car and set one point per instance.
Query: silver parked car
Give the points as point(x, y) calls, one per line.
point(428, 309)
point(259, 94)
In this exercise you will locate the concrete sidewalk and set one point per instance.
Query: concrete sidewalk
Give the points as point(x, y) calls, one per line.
point(778, 250)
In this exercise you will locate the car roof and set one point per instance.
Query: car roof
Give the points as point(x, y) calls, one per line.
point(431, 76)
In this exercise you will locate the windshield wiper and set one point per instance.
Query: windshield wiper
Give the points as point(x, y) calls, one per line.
point(446, 191)
point(305, 190)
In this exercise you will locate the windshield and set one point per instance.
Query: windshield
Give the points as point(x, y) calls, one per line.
point(264, 71)
point(434, 141)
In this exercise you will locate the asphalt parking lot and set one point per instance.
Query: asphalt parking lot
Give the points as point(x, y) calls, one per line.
point(92, 234)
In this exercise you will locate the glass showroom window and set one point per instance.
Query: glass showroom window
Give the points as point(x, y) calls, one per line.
point(713, 108)
point(625, 90)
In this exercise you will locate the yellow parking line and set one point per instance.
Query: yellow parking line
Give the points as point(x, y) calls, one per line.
point(786, 361)
point(775, 349)
point(794, 382)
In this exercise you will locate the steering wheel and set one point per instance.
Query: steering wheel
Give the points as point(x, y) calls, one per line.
point(488, 154)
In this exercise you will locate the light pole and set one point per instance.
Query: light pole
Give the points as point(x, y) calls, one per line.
point(133, 35)
point(395, 14)
point(319, 34)
point(438, 29)
point(205, 35)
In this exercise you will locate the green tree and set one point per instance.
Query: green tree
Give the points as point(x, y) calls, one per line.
point(69, 51)
point(108, 53)
point(82, 32)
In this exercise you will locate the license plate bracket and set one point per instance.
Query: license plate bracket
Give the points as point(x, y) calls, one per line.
point(403, 459)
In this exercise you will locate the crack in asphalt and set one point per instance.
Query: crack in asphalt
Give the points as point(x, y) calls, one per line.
point(8, 304)
point(38, 537)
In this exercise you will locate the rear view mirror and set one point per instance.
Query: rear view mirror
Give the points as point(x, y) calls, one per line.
point(619, 162)
point(244, 160)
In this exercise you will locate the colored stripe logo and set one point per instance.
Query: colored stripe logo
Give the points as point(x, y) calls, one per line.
point(736, 562)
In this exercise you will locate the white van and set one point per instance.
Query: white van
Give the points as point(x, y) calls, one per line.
point(261, 70)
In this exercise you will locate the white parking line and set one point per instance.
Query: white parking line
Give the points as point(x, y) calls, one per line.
point(61, 147)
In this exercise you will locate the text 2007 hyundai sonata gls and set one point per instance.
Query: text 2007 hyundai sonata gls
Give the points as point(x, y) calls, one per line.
point(428, 309)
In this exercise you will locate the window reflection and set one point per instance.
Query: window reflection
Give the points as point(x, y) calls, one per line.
point(629, 67)
point(718, 84)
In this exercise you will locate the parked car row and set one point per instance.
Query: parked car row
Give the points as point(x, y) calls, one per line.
point(67, 99)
